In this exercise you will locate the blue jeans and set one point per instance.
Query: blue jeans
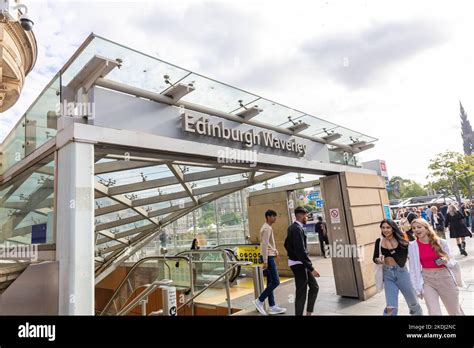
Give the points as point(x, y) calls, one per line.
point(398, 278)
point(272, 282)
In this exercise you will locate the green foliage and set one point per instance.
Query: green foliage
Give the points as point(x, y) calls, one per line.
point(408, 188)
point(230, 218)
point(452, 172)
point(413, 189)
point(207, 218)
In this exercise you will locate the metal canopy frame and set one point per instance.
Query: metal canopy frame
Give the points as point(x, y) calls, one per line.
point(90, 157)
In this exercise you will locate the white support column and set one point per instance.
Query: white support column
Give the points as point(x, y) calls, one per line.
point(75, 229)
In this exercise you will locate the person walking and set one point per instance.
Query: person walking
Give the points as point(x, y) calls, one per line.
point(466, 211)
point(195, 244)
point(269, 253)
point(409, 233)
point(437, 222)
point(432, 270)
point(321, 229)
point(300, 264)
point(391, 250)
point(457, 228)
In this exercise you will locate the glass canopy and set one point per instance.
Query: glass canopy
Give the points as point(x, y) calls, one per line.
point(154, 75)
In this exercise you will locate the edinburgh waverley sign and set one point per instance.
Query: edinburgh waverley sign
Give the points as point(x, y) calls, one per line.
point(203, 126)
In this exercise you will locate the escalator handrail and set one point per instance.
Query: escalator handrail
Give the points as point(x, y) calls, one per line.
point(225, 253)
point(136, 265)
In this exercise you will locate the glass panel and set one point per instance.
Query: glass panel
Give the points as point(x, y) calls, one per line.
point(230, 218)
point(27, 206)
point(41, 118)
point(275, 114)
point(216, 95)
point(145, 273)
point(137, 70)
point(12, 150)
point(143, 71)
point(343, 158)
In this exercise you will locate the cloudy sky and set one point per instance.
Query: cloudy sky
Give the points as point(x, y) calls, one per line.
point(395, 70)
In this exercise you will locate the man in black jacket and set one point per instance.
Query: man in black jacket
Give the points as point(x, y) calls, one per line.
point(300, 264)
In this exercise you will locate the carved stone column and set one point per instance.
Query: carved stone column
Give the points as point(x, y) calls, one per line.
point(18, 52)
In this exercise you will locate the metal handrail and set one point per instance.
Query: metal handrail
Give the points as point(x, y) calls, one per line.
point(138, 263)
point(234, 245)
point(238, 263)
point(227, 283)
point(145, 293)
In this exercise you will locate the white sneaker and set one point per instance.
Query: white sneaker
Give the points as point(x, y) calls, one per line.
point(259, 306)
point(276, 310)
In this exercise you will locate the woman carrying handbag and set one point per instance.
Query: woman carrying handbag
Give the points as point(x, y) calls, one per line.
point(390, 255)
point(433, 271)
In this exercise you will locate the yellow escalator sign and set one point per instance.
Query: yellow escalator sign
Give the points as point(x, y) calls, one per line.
point(250, 253)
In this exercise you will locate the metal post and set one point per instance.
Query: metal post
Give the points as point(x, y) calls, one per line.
point(217, 222)
point(192, 280)
point(258, 283)
point(75, 228)
point(244, 215)
point(194, 223)
point(227, 284)
point(143, 305)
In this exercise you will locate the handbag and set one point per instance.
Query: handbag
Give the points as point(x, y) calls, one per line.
point(456, 274)
point(379, 271)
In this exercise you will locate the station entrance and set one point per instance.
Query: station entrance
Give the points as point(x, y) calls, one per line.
point(147, 151)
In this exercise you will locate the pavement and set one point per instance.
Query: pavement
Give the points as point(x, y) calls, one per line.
point(328, 303)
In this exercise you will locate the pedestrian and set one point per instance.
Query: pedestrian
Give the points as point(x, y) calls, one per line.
point(195, 244)
point(391, 250)
point(410, 218)
point(321, 229)
point(300, 264)
point(431, 270)
point(466, 211)
point(437, 222)
point(269, 253)
point(457, 228)
point(404, 224)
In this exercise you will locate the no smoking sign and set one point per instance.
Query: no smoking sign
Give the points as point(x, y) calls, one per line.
point(335, 216)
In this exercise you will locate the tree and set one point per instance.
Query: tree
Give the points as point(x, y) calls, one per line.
point(406, 188)
point(207, 218)
point(452, 171)
point(413, 189)
point(230, 218)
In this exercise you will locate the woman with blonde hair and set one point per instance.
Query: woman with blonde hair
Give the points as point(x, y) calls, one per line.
point(431, 270)
point(457, 227)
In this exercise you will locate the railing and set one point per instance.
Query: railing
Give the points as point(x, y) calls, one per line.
point(131, 272)
point(190, 257)
point(225, 274)
point(143, 297)
point(227, 270)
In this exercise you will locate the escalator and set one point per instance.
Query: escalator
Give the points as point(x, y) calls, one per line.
point(9, 271)
point(190, 272)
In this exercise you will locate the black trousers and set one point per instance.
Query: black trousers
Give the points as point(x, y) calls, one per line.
point(304, 279)
point(323, 240)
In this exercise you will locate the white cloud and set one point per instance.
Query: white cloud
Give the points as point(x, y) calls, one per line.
point(409, 62)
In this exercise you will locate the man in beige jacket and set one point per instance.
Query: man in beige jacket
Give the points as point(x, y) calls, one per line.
point(269, 252)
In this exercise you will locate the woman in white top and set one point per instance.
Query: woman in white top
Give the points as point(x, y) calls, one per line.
point(431, 270)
